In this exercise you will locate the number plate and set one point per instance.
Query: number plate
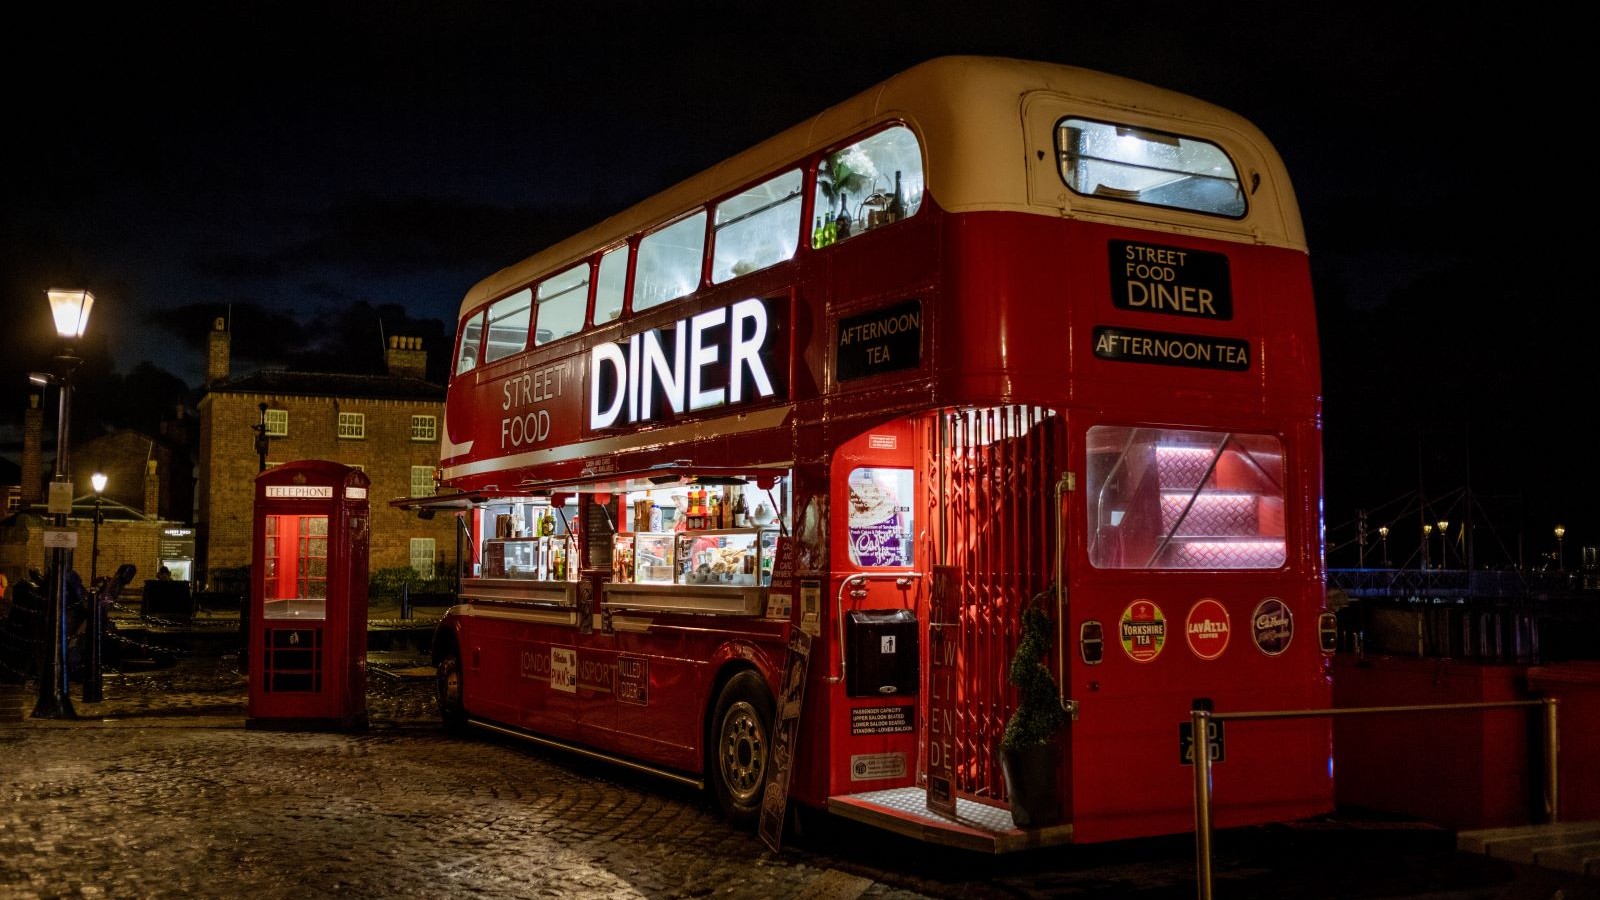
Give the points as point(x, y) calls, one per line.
point(1217, 742)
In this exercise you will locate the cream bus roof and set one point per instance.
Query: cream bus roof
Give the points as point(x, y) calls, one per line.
point(969, 111)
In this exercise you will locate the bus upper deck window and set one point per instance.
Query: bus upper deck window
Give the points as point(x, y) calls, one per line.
point(508, 326)
point(563, 299)
point(870, 183)
point(609, 285)
point(1101, 159)
point(471, 335)
point(668, 266)
point(757, 228)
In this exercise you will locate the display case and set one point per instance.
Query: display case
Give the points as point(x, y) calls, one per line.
point(653, 558)
point(724, 557)
point(622, 558)
point(535, 558)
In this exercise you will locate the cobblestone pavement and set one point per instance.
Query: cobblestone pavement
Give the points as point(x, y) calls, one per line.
point(160, 791)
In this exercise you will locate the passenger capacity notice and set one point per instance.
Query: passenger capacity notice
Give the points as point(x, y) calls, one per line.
point(880, 720)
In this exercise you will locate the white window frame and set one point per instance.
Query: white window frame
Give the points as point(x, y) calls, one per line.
point(424, 549)
point(424, 428)
point(424, 487)
point(352, 426)
point(277, 422)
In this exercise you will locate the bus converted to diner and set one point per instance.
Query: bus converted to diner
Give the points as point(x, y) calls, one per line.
point(760, 473)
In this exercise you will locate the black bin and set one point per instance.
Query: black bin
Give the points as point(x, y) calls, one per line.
point(166, 598)
point(882, 648)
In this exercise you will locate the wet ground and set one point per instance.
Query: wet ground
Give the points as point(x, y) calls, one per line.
point(160, 790)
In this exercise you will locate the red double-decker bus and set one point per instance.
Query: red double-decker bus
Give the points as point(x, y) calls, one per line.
point(761, 473)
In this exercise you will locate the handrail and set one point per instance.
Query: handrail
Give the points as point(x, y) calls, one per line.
point(1200, 721)
point(904, 580)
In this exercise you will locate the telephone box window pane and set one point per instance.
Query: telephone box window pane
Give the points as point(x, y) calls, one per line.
point(563, 299)
point(1167, 498)
point(508, 326)
point(471, 335)
point(296, 571)
point(669, 262)
point(608, 288)
point(880, 517)
point(1140, 165)
point(757, 229)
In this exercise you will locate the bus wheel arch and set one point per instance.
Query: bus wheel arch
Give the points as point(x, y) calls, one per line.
point(739, 727)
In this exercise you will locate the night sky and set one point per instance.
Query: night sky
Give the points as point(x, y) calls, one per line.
point(314, 170)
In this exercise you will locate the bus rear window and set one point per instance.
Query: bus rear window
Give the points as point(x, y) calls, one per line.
point(1101, 159)
point(1163, 498)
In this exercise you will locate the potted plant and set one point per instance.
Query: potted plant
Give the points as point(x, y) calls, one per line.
point(1029, 753)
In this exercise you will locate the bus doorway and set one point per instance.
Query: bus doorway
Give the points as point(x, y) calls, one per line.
point(969, 493)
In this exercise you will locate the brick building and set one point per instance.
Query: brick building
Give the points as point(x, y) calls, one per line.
point(148, 491)
point(386, 425)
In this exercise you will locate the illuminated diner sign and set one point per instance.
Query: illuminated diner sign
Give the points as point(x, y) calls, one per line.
point(720, 357)
point(1176, 281)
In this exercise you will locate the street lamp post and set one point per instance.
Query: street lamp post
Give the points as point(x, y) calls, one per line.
point(92, 684)
point(1444, 546)
point(1561, 560)
point(1427, 538)
point(70, 309)
point(1383, 541)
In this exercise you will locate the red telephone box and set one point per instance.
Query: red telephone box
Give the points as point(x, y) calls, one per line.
point(307, 623)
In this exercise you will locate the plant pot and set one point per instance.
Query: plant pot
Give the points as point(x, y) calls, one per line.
point(1030, 776)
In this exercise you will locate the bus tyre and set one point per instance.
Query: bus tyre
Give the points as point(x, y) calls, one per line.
point(448, 683)
point(741, 732)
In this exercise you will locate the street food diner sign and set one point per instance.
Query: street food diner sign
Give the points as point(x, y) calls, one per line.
point(1180, 282)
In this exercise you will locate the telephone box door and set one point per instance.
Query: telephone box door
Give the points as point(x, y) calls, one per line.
point(308, 597)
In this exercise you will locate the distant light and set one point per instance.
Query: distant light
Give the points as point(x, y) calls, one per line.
point(71, 311)
point(39, 378)
point(98, 479)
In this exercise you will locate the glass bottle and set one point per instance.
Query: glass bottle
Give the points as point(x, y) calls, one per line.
point(741, 513)
point(818, 235)
point(842, 224)
point(829, 230)
point(897, 206)
point(547, 523)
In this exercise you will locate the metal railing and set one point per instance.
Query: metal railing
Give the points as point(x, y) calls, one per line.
point(1201, 723)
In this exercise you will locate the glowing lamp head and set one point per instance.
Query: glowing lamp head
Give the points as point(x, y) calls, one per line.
point(1561, 532)
point(71, 311)
point(98, 479)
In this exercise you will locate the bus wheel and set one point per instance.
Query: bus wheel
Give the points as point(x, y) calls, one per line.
point(448, 684)
point(741, 732)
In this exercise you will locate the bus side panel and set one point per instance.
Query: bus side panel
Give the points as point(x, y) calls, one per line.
point(677, 660)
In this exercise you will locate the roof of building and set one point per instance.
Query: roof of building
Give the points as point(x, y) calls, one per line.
point(327, 384)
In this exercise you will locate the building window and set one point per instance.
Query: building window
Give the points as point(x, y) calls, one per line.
point(277, 423)
point(352, 426)
point(422, 556)
point(422, 481)
point(424, 428)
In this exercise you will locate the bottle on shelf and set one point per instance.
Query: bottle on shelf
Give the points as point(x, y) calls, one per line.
point(547, 522)
point(897, 206)
point(741, 513)
point(842, 224)
point(818, 234)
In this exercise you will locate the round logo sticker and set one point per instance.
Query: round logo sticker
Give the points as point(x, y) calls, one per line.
point(1144, 630)
point(1208, 629)
point(1272, 626)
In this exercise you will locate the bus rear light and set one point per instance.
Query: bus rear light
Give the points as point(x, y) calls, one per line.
point(1091, 643)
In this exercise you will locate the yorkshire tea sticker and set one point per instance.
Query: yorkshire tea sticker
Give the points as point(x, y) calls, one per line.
point(1207, 629)
point(1144, 630)
point(1272, 625)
